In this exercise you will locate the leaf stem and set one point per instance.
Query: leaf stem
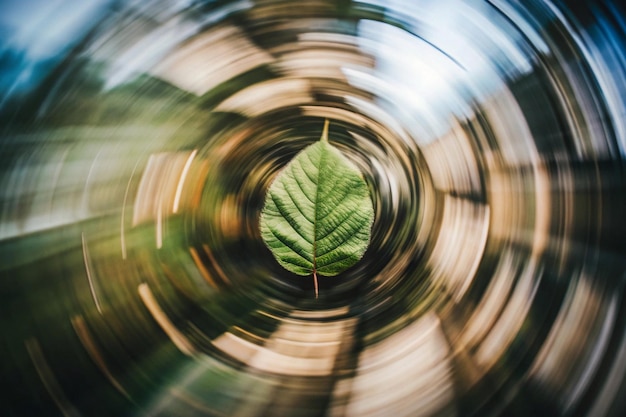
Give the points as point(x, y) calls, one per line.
point(315, 282)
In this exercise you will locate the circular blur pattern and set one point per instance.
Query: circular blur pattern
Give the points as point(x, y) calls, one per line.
point(138, 140)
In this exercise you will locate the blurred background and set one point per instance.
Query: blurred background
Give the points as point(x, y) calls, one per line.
point(138, 138)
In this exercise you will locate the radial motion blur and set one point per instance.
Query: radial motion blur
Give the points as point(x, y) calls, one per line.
point(138, 140)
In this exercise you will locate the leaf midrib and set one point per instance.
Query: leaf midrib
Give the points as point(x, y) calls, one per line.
point(315, 206)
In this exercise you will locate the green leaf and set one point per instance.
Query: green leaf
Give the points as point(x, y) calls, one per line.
point(318, 213)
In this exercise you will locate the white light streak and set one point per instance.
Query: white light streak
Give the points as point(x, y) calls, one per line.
point(175, 335)
point(87, 261)
point(159, 227)
point(122, 231)
point(181, 182)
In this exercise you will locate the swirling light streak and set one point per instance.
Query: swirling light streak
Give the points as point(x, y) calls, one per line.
point(137, 140)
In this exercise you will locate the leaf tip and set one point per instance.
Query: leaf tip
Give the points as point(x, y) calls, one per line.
point(324, 137)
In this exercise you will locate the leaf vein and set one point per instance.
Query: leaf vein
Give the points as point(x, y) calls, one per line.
point(287, 243)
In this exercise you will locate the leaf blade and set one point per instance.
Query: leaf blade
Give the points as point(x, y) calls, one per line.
point(318, 212)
